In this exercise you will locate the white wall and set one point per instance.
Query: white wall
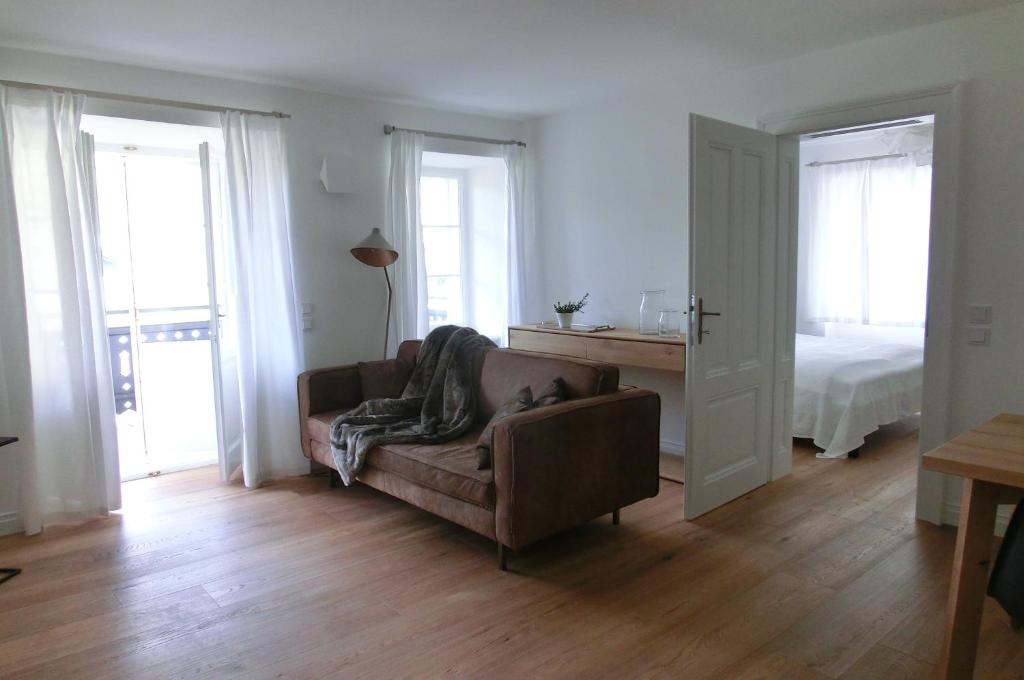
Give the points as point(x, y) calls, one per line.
point(348, 298)
point(612, 180)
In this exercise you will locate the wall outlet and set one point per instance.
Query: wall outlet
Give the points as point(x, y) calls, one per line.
point(980, 314)
point(978, 335)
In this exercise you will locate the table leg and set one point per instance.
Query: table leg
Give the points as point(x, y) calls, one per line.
point(971, 564)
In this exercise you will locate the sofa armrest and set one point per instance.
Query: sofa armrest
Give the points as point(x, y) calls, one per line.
point(329, 389)
point(326, 389)
point(561, 466)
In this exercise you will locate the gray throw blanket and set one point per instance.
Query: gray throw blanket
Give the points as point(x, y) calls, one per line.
point(437, 405)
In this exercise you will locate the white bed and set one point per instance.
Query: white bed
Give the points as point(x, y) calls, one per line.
point(846, 389)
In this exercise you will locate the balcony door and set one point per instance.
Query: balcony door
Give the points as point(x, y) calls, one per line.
point(155, 216)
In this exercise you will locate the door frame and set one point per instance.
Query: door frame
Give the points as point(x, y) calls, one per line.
point(945, 103)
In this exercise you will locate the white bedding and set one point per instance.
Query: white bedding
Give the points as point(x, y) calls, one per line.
point(845, 389)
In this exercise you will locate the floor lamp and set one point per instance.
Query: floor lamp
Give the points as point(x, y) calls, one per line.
point(375, 251)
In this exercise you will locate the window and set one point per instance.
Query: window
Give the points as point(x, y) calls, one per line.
point(868, 241)
point(464, 225)
point(441, 218)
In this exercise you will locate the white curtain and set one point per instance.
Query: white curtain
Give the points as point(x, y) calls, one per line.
point(868, 242)
point(517, 218)
point(260, 332)
point(55, 386)
point(404, 232)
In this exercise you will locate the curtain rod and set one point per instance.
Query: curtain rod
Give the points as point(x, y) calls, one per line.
point(388, 129)
point(142, 100)
point(867, 128)
point(817, 164)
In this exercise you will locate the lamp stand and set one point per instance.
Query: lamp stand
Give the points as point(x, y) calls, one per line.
point(387, 320)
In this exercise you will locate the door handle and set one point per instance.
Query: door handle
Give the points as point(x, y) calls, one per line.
point(700, 320)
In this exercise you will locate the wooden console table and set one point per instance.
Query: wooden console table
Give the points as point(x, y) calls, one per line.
point(618, 346)
point(990, 458)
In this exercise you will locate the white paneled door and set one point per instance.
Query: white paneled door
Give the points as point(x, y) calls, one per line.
point(731, 358)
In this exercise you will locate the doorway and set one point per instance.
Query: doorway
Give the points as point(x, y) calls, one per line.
point(862, 283)
point(156, 251)
point(944, 105)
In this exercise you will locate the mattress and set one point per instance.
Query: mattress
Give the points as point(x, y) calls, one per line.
point(846, 389)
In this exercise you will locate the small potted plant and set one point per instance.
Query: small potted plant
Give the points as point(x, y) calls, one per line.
point(564, 311)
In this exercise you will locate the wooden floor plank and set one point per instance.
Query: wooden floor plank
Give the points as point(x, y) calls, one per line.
point(823, 574)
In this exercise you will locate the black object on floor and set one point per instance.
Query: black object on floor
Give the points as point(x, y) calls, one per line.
point(7, 573)
point(1006, 584)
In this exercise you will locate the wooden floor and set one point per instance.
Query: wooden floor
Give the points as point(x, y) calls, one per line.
point(822, 575)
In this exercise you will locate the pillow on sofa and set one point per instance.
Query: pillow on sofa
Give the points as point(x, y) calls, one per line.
point(522, 401)
point(552, 394)
point(384, 379)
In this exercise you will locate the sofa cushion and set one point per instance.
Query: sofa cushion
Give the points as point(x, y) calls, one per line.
point(319, 425)
point(449, 468)
point(505, 371)
point(384, 379)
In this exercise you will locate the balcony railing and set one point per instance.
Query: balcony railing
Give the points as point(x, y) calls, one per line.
point(123, 360)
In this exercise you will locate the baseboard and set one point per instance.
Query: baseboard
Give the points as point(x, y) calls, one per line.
point(10, 523)
point(951, 516)
point(675, 448)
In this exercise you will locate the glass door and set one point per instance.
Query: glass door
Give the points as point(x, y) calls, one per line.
point(156, 272)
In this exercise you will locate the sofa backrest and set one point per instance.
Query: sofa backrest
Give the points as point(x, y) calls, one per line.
point(408, 350)
point(506, 371)
point(503, 372)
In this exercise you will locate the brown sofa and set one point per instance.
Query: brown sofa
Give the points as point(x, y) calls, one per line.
point(554, 467)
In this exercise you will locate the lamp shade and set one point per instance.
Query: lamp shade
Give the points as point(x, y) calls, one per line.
point(375, 251)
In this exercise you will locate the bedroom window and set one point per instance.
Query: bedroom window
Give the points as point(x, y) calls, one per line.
point(867, 220)
point(441, 217)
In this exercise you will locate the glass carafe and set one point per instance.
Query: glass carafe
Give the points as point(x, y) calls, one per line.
point(651, 304)
point(668, 323)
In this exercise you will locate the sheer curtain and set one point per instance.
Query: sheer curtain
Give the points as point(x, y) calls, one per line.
point(404, 232)
point(260, 332)
point(516, 216)
point(55, 386)
point(868, 242)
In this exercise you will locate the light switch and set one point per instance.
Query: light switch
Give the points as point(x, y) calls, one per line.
point(978, 335)
point(307, 308)
point(307, 323)
point(980, 314)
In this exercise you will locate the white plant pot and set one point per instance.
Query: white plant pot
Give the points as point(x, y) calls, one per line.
point(564, 320)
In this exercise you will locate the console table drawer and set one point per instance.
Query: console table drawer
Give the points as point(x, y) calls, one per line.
point(631, 353)
point(549, 343)
point(619, 347)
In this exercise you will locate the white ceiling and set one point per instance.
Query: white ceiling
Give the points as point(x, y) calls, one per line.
point(514, 57)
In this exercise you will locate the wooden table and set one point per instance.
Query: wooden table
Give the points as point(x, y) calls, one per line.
point(990, 458)
point(624, 347)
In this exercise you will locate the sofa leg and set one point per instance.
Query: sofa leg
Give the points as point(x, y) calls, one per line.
point(502, 558)
point(334, 477)
point(854, 454)
point(615, 516)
